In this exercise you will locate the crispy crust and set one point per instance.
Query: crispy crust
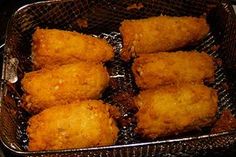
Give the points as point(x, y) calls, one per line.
point(175, 109)
point(153, 70)
point(57, 47)
point(63, 84)
point(75, 125)
point(162, 33)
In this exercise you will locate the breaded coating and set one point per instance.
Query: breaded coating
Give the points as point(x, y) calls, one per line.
point(76, 125)
point(171, 110)
point(153, 70)
point(63, 84)
point(53, 47)
point(162, 33)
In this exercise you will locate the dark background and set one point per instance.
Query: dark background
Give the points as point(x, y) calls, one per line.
point(7, 8)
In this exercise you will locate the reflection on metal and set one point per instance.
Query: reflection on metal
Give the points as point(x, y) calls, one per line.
point(11, 70)
point(117, 76)
point(1, 46)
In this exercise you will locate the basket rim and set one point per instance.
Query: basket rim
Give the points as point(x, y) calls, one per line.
point(112, 147)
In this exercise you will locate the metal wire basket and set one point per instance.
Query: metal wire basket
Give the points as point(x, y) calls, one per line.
point(103, 19)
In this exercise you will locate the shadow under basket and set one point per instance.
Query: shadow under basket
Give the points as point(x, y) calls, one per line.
point(103, 19)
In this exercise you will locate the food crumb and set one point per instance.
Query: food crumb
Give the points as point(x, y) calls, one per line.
point(82, 22)
point(215, 47)
point(137, 6)
point(227, 122)
point(217, 61)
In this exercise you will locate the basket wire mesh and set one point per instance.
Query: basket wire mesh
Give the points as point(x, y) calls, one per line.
point(104, 19)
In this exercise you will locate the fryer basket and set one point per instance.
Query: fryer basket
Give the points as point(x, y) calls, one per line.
point(103, 18)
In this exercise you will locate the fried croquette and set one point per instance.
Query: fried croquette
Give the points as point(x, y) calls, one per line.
point(162, 33)
point(76, 125)
point(62, 84)
point(53, 47)
point(171, 110)
point(153, 70)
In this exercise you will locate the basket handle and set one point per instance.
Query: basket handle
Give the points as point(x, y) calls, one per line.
point(1, 59)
